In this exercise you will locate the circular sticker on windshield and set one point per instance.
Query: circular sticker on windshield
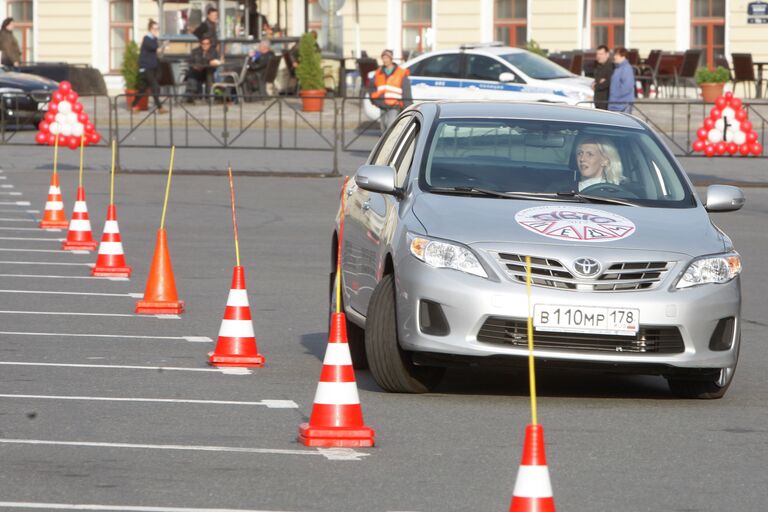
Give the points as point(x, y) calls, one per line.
point(575, 223)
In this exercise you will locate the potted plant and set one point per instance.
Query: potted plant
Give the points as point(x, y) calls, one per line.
point(712, 82)
point(310, 75)
point(534, 47)
point(131, 75)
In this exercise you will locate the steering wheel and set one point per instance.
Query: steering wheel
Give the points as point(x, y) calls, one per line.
point(611, 189)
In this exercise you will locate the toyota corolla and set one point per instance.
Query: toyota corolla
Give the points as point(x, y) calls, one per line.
point(628, 271)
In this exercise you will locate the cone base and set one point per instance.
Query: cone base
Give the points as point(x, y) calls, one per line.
point(148, 307)
point(520, 504)
point(111, 271)
point(79, 245)
point(53, 224)
point(337, 437)
point(256, 361)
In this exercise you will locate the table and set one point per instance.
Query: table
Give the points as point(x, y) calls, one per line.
point(759, 83)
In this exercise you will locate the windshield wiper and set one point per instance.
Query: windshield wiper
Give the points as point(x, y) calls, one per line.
point(545, 196)
point(587, 198)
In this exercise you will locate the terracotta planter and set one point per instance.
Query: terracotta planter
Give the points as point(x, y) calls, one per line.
point(130, 94)
point(312, 100)
point(711, 91)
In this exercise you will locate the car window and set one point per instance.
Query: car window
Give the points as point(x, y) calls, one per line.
point(404, 156)
point(480, 67)
point(548, 157)
point(535, 66)
point(384, 151)
point(442, 66)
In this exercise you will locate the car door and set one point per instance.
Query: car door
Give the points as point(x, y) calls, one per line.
point(437, 77)
point(362, 226)
point(482, 79)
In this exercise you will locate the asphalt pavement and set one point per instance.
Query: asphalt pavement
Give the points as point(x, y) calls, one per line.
point(104, 410)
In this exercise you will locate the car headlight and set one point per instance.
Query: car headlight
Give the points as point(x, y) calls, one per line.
point(711, 269)
point(439, 254)
point(580, 95)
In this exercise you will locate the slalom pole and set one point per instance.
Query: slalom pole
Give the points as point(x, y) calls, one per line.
point(341, 239)
point(531, 365)
point(112, 175)
point(55, 153)
point(234, 215)
point(167, 188)
point(82, 150)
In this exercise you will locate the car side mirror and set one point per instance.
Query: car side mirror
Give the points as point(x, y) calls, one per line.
point(507, 77)
point(377, 178)
point(724, 198)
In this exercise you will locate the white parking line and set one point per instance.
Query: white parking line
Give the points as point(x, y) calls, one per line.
point(10, 193)
point(17, 210)
point(8, 219)
point(14, 228)
point(269, 404)
point(45, 263)
point(94, 294)
point(328, 453)
point(80, 313)
point(17, 203)
point(64, 277)
point(6, 186)
point(108, 508)
point(56, 251)
point(191, 339)
point(33, 239)
point(224, 370)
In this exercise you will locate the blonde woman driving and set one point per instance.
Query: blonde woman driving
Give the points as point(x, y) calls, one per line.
point(598, 162)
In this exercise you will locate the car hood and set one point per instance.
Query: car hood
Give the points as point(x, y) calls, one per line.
point(26, 82)
point(470, 220)
point(575, 82)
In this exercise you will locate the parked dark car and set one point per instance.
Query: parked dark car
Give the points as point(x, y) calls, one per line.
point(23, 98)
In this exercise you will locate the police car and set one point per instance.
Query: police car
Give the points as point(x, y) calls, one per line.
point(492, 72)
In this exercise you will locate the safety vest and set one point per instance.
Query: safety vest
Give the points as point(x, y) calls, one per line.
point(390, 87)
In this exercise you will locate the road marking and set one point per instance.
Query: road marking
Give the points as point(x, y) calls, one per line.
point(14, 228)
point(80, 313)
point(17, 203)
point(191, 339)
point(57, 251)
point(6, 186)
point(95, 294)
point(45, 263)
point(269, 404)
point(108, 508)
point(33, 239)
point(17, 210)
point(10, 193)
point(224, 370)
point(65, 277)
point(8, 219)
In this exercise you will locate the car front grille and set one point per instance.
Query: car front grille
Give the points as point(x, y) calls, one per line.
point(649, 339)
point(551, 273)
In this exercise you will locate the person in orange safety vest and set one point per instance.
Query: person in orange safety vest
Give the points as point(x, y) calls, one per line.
point(390, 89)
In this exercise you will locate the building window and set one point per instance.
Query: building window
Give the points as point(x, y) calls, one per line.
point(120, 31)
point(315, 18)
point(708, 28)
point(509, 21)
point(417, 26)
point(21, 12)
point(608, 23)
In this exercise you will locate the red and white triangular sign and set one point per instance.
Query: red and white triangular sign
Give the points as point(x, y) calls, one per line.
point(66, 118)
point(727, 130)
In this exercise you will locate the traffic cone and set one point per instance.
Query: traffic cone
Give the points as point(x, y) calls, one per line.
point(80, 236)
point(53, 216)
point(236, 345)
point(160, 294)
point(533, 490)
point(337, 418)
point(111, 259)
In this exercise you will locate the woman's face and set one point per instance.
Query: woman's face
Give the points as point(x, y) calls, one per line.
point(590, 161)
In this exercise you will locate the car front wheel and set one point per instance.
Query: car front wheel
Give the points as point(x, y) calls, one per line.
point(391, 366)
point(708, 385)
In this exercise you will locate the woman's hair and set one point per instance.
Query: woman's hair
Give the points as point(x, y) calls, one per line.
point(151, 24)
point(6, 22)
point(613, 171)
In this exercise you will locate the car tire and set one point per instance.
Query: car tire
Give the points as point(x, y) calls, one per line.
point(355, 334)
point(391, 366)
point(706, 385)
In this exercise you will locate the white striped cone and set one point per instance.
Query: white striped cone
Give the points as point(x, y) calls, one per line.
point(111, 259)
point(54, 216)
point(80, 236)
point(533, 489)
point(337, 418)
point(236, 345)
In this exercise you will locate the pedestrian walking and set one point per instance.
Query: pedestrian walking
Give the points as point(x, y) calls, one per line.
point(603, 72)
point(9, 46)
point(390, 89)
point(621, 94)
point(149, 67)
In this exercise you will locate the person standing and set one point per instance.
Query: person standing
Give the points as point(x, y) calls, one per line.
point(603, 72)
point(209, 27)
point(9, 46)
point(149, 67)
point(390, 89)
point(621, 93)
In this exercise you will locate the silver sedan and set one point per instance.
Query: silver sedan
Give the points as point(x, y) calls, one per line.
point(628, 272)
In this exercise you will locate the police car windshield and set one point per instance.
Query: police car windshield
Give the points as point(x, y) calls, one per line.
point(583, 162)
point(535, 66)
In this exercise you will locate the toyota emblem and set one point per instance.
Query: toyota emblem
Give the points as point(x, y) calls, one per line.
point(586, 267)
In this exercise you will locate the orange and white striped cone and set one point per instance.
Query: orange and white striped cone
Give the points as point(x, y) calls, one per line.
point(337, 418)
point(236, 345)
point(54, 216)
point(533, 489)
point(80, 236)
point(111, 259)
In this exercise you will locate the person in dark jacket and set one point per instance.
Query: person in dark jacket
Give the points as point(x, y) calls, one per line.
point(149, 67)
point(203, 62)
point(9, 46)
point(603, 72)
point(209, 27)
point(258, 63)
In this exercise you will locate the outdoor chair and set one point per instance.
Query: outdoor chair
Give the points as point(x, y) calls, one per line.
point(232, 81)
point(633, 56)
point(647, 72)
point(577, 63)
point(364, 66)
point(687, 75)
point(588, 64)
point(666, 73)
point(270, 75)
point(743, 71)
point(722, 62)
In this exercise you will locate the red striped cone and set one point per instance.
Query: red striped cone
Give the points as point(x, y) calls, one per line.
point(80, 236)
point(111, 259)
point(337, 418)
point(533, 490)
point(236, 345)
point(54, 216)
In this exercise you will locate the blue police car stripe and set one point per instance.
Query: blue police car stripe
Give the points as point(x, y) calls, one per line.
point(463, 84)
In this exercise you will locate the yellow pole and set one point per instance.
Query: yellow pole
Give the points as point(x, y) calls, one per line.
point(167, 188)
point(341, 239)
point(531, 366)
point(112, 176)
point(55, 153)
point(234, 216)
point(82, 150)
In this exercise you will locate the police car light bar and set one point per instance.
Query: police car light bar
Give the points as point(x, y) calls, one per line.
point(471, 46)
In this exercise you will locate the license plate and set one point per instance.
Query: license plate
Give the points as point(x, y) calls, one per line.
point(584, 319)
point(42, 106)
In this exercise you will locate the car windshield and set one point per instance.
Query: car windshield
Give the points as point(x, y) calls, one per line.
point(549, 160)
point(535, 66)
